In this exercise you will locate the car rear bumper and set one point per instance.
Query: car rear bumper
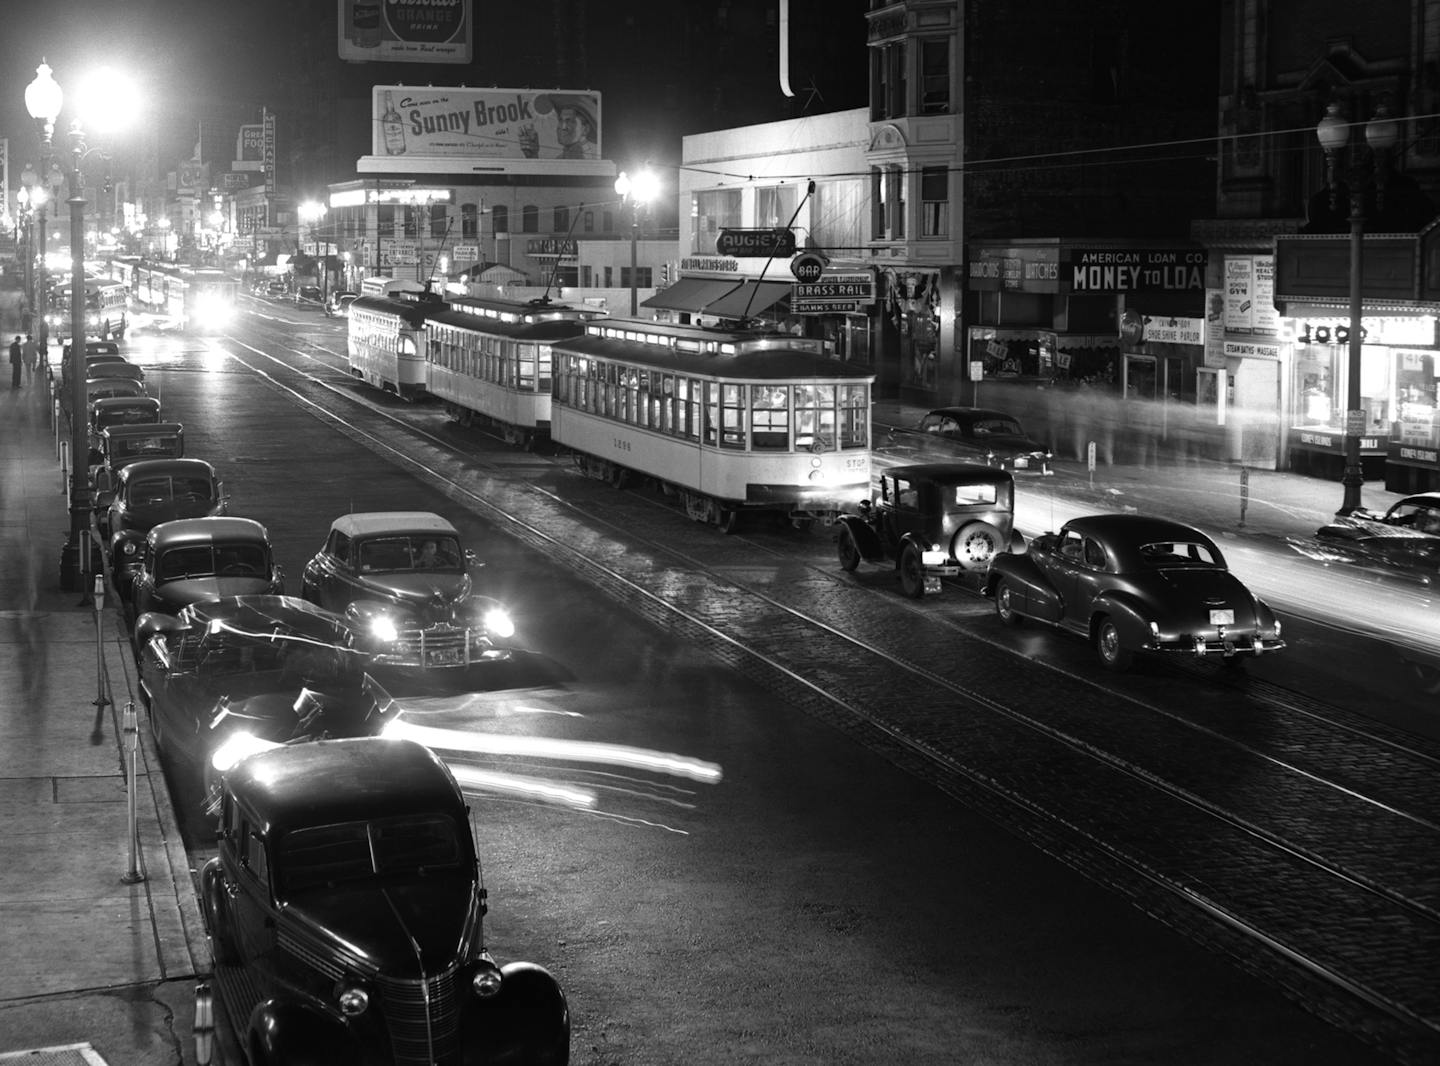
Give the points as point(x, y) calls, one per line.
point(1222, 649)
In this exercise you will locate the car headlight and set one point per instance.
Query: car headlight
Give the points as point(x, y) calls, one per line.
point(487, 980)
point(384, 628)
point(130, 547)
point(237, 747)
point(353, 1001)
point(499, 623)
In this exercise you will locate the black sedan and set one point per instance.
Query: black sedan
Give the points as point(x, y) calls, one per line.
point(226, 677)
point(195, 559)
point(1405, 538)
point(974, 435)
point(1129, 584)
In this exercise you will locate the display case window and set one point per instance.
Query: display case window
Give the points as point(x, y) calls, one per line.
point(1415, 397)
point(1320, 380)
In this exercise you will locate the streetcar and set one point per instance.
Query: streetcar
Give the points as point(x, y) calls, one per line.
point(106, 309)
point(488, 360)
point(192, 298)
point(386, 342)
point(730, 422)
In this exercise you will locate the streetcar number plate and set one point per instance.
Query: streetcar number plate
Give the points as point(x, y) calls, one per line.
point(1222, 618)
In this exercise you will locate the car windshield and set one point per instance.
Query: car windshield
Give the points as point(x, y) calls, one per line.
point(330, 855)
point(203, 560)
point(995, 427)
point(155, 491)
point(428, 551)
point(1422, 517)
point(1178, 553)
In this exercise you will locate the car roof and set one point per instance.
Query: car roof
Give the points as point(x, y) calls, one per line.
point(1136, 528)
point(368, 523)
point(167, 466)
point(967, 414)
point(1432, 498)
point(326, 782)
point(142, 429)
point(951, 473)
point(191, 531)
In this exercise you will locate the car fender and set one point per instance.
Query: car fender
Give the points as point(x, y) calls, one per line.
point(866, 539)
point(1129, 615)
point(528, 1020)
point(1038, 596)
point(297, 1034)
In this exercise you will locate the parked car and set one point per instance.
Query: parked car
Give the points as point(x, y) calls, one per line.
point(247, 672)
point(404, 581)
point(277, 289)
point(933, 520)
point(121, 411)
point(152, 491)
point(195, 559)
point(309, 297)
point(338, 305)
point(104, 387)
point(346, 887)
point(1406, 537)
point(1131, 583)
point(118, 447)
point(973, 435)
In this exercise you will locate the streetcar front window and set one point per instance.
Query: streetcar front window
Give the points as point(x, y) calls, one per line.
point(770, 416)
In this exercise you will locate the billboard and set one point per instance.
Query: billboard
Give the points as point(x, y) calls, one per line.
point(405, 31)
point(485, 123)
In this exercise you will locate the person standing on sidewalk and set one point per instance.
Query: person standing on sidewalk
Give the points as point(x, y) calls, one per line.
point(32, 357)
point(15, 361)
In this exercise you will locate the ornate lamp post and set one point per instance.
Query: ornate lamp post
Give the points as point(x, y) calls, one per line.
point(638, 191)
point(1381, 133)
point(43, 99)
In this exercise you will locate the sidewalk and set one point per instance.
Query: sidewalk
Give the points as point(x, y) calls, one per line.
point(97, 968)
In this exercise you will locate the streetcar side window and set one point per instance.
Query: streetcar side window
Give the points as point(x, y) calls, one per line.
point(770, 417)
point(525, 367)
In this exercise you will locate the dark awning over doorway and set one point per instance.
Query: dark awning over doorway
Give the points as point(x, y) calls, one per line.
point(689, 294)
point(751, 298)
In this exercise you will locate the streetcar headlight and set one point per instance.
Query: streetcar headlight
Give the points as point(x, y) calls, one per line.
point(498, 622)
point(384, 628)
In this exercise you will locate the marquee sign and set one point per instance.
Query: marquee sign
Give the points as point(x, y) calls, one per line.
point(756, 243)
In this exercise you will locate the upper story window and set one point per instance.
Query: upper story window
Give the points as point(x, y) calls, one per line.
point(711, 211)
point(500, 216)
point(439, 220)
point(562, 220)
point(887, 81)
point(887, 195)
point(775, 204)
point(934, 77)
point(469, 220)
point(529, 219)
point(935, 202)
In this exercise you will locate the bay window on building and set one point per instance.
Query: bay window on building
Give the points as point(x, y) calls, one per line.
point(837, 213)
point(935, 77)
point(887, 203)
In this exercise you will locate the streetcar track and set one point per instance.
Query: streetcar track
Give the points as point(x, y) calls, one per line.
point(1267, 700)
point(1186, 894)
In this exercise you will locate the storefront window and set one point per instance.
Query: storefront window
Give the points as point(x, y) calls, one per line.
point(1415, 397)
point(1320, 381)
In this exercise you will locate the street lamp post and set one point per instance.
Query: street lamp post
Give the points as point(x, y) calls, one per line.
point(1381, 133)
point(638, 191)
point(311, 213)
point(43, 99)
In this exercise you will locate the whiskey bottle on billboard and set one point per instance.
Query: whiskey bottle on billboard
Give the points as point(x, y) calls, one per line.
point(392, 128)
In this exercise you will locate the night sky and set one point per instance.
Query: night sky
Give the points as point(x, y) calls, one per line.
point(665, 69)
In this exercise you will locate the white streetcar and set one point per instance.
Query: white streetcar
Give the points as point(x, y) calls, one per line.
point(732, 423)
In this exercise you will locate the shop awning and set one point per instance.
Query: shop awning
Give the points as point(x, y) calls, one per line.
point(689, 294)
point(749, 299)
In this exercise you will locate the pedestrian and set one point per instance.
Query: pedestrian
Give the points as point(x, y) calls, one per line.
point(16, 361)
point(32, 356)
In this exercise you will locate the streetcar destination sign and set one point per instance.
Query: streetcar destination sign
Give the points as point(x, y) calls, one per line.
point(756, 243)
